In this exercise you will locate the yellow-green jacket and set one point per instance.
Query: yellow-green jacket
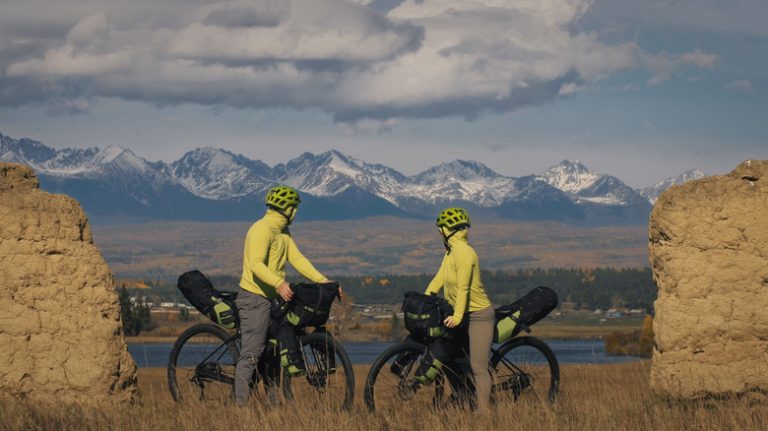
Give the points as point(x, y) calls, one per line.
point(459, 274)
point(268, 245)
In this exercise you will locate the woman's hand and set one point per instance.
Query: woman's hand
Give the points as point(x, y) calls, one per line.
point(341, 292)
point(285, 291)
point(449, 322)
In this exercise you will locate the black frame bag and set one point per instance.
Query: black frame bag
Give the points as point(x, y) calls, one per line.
point(201, 294)
point(424, 315)
point(524, 312)
point(311, 303)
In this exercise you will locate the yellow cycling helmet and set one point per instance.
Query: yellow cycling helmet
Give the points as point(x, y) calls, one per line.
point(282, 197)
point(453, 218)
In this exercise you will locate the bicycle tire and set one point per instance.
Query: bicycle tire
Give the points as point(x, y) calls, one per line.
point(319, 384)
point(405, 387)
point(194, 345)
point(525, 361)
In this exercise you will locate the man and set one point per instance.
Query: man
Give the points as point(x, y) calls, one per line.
point(268, 245)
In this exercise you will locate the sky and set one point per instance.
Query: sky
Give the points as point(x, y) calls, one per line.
point(638, 89)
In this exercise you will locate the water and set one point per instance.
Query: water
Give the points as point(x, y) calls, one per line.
point(567, 352)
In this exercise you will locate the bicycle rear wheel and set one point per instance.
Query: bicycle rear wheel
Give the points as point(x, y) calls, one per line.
point(329, 379)
point(526, 368)
point(201, 366)
point(390, 382)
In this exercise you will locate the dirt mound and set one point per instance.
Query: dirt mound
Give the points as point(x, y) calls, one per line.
point(60, 328)
point(709, 253)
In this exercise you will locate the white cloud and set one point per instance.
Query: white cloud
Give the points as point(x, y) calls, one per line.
point(569, 89)
point(423, 59)
point(663, 66)
point(700, 59)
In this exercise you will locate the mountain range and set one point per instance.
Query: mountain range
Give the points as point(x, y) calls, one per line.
point(210, 184)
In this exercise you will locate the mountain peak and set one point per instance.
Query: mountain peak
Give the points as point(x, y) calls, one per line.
point(570, 176)
point(652, 193)
point(571, 165)
point(457, 170)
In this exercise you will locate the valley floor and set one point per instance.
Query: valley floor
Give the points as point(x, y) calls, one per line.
point(607, 397)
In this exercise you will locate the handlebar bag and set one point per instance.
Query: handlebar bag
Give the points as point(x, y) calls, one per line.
point(424, 314)
point(311, 304)
point(201, 294)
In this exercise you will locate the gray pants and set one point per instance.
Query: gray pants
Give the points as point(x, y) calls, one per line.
point(481, 325)
point(254, 311)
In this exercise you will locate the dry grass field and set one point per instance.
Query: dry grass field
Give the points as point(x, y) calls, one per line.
point(383, 245)
point(607, 397)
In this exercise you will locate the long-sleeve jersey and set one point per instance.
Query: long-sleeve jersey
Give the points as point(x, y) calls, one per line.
point(268, 245)
point(459, 275)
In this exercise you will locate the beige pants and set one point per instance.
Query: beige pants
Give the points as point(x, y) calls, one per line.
point(480, 339)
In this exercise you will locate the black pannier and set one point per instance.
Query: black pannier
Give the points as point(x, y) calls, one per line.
point(201, 294)
point(534, 306)
point(424, 314)
point(311, 304)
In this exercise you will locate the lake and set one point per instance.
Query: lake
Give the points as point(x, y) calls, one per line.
point(567, 352)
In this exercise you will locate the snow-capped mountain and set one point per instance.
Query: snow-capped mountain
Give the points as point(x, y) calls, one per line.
point(584, 185)
point(652, 193)
point(214, 184)
point(218, 174)
point(331, 173)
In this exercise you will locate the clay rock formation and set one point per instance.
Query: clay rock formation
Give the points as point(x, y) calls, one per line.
point(60, 330)
point(709, 253)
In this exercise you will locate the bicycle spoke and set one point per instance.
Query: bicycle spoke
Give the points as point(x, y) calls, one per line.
point(524, 372)
point(203, 367)
point(325, 380)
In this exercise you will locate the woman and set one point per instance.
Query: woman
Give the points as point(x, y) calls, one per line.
point(459, 276)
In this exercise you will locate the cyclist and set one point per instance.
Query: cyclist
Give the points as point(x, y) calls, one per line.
point(459, 277)
point(268, 245)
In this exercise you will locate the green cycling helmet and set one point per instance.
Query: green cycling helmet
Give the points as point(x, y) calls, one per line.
point(453, 218)
point(282, 197)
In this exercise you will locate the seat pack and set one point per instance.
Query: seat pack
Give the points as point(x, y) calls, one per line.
point(527, 310)
point(201, 294)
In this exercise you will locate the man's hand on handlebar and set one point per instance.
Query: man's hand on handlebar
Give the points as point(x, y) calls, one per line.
point(285, 291)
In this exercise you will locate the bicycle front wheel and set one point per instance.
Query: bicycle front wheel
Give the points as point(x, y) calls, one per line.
point(329, 379)
point(202, 364)
point(391, 380)
point(525, 368)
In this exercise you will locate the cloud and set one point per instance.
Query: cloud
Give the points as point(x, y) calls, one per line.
point(569, 89)
point(309, 30)
point(663, 66)
point(419, 59)
point(741, 85)
point(248, 14)
point(367, 126)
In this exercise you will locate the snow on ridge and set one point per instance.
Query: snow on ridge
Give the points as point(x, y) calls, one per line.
point(571, 176)
point(652, 193)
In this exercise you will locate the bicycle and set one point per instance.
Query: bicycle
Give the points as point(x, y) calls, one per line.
point(202, 367)
point(521, 367)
